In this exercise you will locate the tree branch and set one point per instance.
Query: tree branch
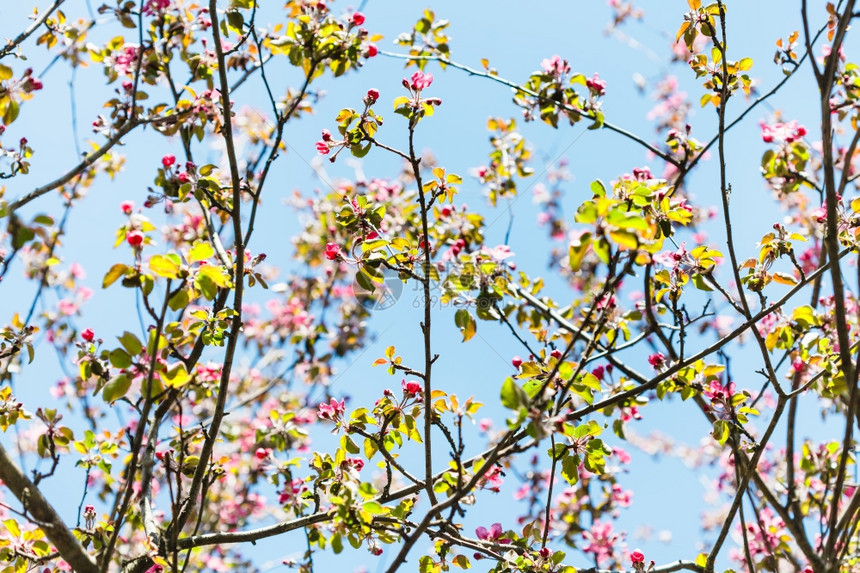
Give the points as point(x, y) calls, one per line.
point(43, 17)
point(36, 505)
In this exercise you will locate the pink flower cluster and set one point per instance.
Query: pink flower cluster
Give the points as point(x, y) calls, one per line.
point(333, 410)
point(555, 66)
point(782, 132)
point(154, 6)
point(600, 541)
point(420, 81)
point(493, 535)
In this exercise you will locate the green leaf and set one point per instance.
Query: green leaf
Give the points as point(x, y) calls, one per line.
point(374, 508)
point(201, 251)
point(589, 380)
point(164, 266)
point(513, 397)
point(570, 469)
point(700, 283)
point(11, 114)
point(577, 251)
point(532, 387)
point(466, 323)
point(179, 300)
point(113, 274)
point(119, 358)
point(364, 280)
point(350, 446)
point(176, 375)
point(131, 343)
point(116, 388)
point(557, 452)
point(721, 431)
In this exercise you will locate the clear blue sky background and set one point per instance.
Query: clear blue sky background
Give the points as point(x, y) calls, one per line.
point(515, 36)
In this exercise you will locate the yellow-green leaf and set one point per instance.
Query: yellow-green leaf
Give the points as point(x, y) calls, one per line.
point(164, 267)
point(201, 251)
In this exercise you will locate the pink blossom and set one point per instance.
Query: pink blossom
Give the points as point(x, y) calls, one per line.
point(67, 307)
point(332, 251)
point(522, 492)
point(600, 540)
point(127, 207)
point(782, 132)
point(77, 271)
point(154, 6)
point(494, 533)
point(411, 388)
point(168, 160)
point(126, 60)
point(637, 557)
point(642, 173)
point(372, 96)
point(718, 392)
point(332, 410)
point(493, 479)
point(596, 85)
point(555, 66)
point(622, 455)
point(498, 253)
point(421, 81)
point(291, 492)
point(624, 498)
point(88, 334)
point(357, 18)
point(657, 360)
point(374, 547)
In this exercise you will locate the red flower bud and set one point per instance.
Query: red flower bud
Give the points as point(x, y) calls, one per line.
point(134, 238)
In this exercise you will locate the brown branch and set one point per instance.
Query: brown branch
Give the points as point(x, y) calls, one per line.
point(7, 49)
point(88, 161)
point(473, 72)
point(632, 393)
point(238, 279)
point(51, 523)
point(831, 241)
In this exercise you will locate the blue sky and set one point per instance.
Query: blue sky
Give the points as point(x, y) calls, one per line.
point(515, 36)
